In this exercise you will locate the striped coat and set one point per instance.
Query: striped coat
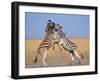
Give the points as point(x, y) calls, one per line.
point(66, 43)
point(46, 43)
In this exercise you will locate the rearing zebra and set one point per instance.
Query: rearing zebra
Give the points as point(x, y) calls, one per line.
point(58, 35)
point(50, 27)
point(66, 43)
point(48, 42)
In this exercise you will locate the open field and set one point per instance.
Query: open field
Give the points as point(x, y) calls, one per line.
point(56, 57)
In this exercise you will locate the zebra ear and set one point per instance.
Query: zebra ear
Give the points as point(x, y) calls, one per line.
point(49, 20)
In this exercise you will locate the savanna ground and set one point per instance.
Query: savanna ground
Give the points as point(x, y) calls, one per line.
point(56, 57)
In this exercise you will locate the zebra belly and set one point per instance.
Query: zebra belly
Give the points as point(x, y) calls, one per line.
point(68, 48)
point(65, 45)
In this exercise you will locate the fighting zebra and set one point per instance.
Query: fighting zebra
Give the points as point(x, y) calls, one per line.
point(47, 43)
point(56, 35)
point(66, 43)
point(50, 27)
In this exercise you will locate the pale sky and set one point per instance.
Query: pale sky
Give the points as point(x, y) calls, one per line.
point(73, 25)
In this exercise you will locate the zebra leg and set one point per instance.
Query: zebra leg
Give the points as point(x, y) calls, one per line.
point(38, 59)
point(68, 49)
point(44, 57)
point(81, 55)
point(72, 56)
point(78, 54)
point(63, 44)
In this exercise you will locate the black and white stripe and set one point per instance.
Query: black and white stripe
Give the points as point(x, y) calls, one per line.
point(70, 44)
point(61, 35)
point(55, 35)
point(43, 48)
point(48, 42)
point(66, 43)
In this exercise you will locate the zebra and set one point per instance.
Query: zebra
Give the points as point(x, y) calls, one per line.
point(50, 27)
point(67, 44)
point(62, 35)
point(46, 44)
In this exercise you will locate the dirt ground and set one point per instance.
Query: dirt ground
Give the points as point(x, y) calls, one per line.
point(56, 57)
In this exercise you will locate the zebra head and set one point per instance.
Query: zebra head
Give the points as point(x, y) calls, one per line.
point(50, 26)
point(58, 27)
point(58, 31)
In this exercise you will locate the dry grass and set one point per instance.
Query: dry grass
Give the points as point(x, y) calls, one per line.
point(56, 57)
